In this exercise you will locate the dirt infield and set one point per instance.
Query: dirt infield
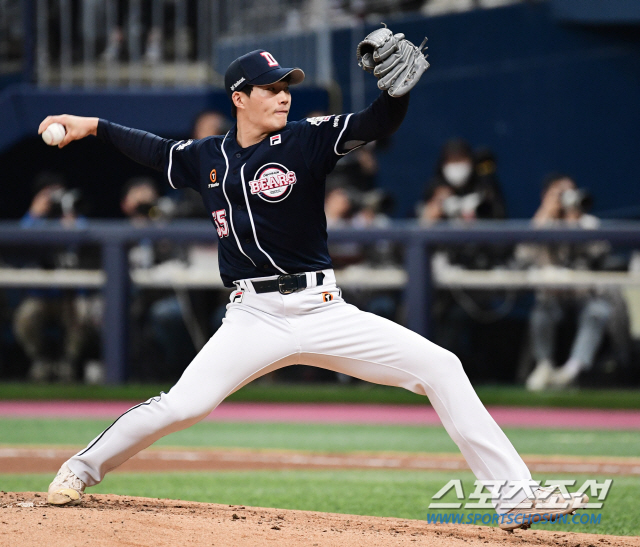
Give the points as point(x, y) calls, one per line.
point(48, 460)
point(106, 520)
point(115, 520)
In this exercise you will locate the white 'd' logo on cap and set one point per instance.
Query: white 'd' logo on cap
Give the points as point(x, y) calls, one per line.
point(270, 59)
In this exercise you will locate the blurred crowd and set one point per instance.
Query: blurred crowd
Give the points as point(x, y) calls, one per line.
point(557, 337)
point(155, 31)
point(564, 333)
point(58, 331)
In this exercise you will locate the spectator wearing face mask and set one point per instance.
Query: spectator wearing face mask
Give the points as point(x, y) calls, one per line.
point(464, 186)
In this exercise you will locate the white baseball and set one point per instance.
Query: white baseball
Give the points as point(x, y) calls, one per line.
point(54, 134)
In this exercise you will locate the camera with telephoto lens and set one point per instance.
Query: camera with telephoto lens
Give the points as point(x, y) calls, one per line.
point(576, 198)
point(459, 206)
point(144, 209)
point(63, 202)
point(166, 208)
point(377, 200)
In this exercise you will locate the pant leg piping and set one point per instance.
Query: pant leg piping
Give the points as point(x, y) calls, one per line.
point(148, 402)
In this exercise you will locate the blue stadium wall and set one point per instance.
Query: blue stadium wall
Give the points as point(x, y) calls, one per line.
point(545, 95)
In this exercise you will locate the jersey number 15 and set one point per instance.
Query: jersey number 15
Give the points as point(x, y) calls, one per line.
point(222, 226)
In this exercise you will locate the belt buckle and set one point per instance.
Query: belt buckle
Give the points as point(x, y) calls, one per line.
point(282, 284)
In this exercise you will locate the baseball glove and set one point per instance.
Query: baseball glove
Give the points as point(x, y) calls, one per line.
point(394, 60)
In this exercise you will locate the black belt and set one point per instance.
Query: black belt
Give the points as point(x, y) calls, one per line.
point(286, 284)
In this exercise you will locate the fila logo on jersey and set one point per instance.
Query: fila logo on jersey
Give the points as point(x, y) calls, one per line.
point(327, 297)
point(276, 139)
point(273, 182)
point(213, 176)
point(318, 120)
point(237, 297)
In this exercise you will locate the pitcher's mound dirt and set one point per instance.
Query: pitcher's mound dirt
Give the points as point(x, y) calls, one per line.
point(106, 520)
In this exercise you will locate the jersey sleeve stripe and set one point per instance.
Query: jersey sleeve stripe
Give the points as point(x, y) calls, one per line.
point(253, 226)
point(170, 164)
point(335, 148)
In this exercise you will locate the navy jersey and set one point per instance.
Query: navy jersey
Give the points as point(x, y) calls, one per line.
point(267, 200)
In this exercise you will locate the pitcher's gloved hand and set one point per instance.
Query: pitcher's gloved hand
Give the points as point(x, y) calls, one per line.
point(393, 59)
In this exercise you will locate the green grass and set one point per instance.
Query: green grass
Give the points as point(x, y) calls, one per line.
point(392, 493)
point(403, 494)
point(328, 438)
point(332, 393)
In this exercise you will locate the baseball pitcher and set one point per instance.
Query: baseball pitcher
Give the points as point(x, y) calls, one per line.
point(263, 184)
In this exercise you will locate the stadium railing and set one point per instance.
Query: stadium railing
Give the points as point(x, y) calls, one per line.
point(418, 242)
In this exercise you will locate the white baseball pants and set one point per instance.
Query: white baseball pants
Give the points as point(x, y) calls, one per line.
point(264, 332)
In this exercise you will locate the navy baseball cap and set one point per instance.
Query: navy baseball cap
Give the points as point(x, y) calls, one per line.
point(258, 68)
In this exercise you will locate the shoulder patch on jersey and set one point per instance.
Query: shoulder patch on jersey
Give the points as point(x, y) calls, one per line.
point(336, 120)
point(184, 145)
point(318, 120)
point(273, 182)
